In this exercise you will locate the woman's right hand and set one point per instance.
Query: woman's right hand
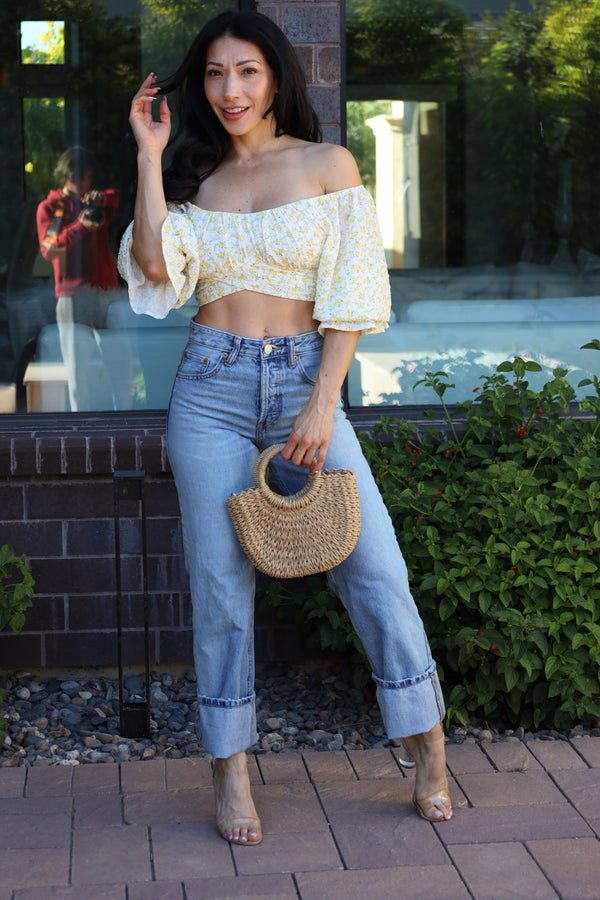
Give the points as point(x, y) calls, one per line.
point(150, 135)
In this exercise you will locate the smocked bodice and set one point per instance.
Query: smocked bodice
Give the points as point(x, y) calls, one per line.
point(325, 249)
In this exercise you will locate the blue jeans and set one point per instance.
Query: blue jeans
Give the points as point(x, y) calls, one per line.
point(233, 397)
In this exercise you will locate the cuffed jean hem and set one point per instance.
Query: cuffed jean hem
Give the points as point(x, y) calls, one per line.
point(226, 727)
point(411, 706)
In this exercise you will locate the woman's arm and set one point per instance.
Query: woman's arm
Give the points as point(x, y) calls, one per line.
point(336, 170)
point(150, 205)
point(311, 431)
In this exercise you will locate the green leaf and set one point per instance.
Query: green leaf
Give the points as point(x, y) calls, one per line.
point(430, 582)
point(593, 629)
point(446, 609)
point(587, 602)
point(458, 695)
point(554, 689)
point(551, 666)
point(579, 640)
point(16, 622)
point(463, 590)
point(540, 640)
point(334, 619)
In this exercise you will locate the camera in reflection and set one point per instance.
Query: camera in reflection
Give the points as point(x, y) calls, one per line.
point(93, 207)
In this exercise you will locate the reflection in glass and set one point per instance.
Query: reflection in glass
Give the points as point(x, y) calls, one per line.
point(43, 141)
point(68, 82)
point(73, 227)
point(43, 43)
point(483, 167)
point(408, 142)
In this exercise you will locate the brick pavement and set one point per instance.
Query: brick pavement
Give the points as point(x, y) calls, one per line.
point(337, 825)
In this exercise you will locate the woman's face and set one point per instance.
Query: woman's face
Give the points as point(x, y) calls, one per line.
point(239, 84)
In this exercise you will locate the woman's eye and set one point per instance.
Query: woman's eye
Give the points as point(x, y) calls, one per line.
point(249, 71)
point(211, 72)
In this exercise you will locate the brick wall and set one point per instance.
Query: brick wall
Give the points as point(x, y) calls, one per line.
point(314, 28)
point(56, 483)
point(57, 506)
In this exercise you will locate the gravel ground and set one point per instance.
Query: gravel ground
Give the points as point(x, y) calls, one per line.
point(73, 718)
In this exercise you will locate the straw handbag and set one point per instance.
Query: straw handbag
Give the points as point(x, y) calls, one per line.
point(307, 532)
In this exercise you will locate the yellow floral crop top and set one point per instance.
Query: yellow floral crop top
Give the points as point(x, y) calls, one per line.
point(325, 249)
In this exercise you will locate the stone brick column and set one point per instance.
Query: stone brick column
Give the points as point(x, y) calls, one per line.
point(314, 28)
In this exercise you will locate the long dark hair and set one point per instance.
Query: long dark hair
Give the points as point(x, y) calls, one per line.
point(205, 142)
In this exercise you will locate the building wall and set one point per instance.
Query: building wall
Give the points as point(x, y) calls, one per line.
point(57, 485)
point(314, 27)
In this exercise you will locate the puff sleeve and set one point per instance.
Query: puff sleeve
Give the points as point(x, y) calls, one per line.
point(353, 286)
point(180, 249)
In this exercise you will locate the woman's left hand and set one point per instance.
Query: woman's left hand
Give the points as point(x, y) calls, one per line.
point(309, 439)
point(311, 432)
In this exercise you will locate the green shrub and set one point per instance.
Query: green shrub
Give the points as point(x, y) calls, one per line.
point(497, 517)
point(16, 591)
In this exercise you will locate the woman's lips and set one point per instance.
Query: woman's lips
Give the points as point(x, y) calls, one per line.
point(234, 112)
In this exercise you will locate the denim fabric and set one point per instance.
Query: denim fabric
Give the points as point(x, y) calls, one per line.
point(233, 397)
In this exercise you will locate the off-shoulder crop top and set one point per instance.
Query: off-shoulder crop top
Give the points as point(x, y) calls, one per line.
point(325, 249)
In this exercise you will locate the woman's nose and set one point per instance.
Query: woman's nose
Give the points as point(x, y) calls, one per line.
point(231, 86)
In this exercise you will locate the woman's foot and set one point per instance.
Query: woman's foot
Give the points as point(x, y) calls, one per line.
point(237, 820)
point(431, 797)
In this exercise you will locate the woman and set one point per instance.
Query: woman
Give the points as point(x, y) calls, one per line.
point(279, 240)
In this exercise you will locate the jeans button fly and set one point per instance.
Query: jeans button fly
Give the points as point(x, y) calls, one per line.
point(267, 348)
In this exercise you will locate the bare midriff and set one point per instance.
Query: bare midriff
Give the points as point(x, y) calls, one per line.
point(255, 315)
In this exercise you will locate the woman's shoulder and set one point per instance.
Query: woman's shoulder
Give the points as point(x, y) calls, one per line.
point(332, 166)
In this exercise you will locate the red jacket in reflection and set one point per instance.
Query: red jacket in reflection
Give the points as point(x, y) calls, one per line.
point(80, 256)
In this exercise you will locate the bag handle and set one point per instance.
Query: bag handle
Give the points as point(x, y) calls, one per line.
point(294, 501)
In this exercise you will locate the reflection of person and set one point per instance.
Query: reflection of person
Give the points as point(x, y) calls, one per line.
point(279, 240)
point(72, 225)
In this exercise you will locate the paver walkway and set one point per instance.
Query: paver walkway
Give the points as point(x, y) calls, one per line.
point(337, 826)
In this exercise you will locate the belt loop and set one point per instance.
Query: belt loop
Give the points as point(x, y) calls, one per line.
point(292, 353)
point(233, 355)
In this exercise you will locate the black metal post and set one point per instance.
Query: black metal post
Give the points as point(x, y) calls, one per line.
point(135, 712)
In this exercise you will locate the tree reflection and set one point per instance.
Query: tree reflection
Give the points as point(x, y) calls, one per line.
point(527, 89)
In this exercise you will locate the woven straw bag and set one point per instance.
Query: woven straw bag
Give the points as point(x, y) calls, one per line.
point(307, 532)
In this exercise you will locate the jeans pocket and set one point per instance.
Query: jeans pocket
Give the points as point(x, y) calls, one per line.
point(200, 362)
point(307, 365)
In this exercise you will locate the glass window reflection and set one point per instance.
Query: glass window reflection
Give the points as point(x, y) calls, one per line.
point(483, 171)
point(68, 339)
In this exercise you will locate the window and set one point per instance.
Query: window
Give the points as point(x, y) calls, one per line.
point(66, 82)
point(477, 134)
point(43, 43)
